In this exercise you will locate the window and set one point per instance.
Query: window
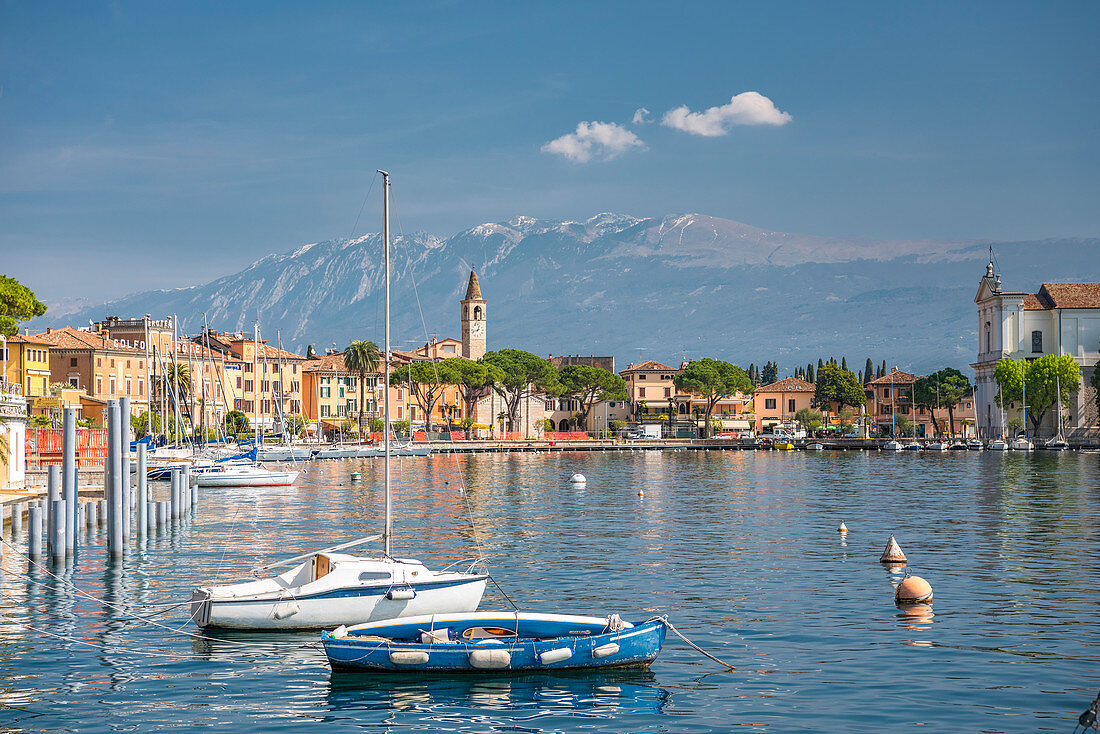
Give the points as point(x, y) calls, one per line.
point(72, 361)
point(112, 363)
point(450, 348)
point(885, 392)
point(141, 364)
point(141, 386)
point(127, 364)
point(294, 369)
point(666, 377)
point(352, 406)
point(641, 377)
point(112, 384)
point(1036, 342)
point(668, 392)
point(790, 405)
point(98, 362)
point(248, 385)
point(128, 386)
point(769, 403)
point(641, 392)
point(247, 366)
point(325, 411)
point(74, 382)
point(238, 403)
point(99, 384)
point(295, 386)
point(550, 405)
point(238, 382)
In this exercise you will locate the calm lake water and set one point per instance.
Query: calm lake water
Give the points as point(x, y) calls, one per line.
point(740, 549)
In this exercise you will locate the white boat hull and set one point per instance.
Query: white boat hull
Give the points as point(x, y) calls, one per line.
point(240, 479)
point(284, 453)
point(336, 607)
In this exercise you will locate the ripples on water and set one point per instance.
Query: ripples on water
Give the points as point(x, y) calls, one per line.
point(739, 548)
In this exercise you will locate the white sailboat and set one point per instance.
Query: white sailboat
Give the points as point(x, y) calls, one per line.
point(1023, 443)
point(327, 588)
point(893, 444)
point(1057, 442)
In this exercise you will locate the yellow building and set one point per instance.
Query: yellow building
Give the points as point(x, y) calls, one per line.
point(28, 360)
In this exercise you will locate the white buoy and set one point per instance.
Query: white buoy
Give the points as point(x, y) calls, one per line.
point(842, 529)
point(578, 479)
point(893, 553)
point(641, 493)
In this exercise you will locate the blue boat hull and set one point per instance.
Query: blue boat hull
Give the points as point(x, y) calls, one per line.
point(636, 646)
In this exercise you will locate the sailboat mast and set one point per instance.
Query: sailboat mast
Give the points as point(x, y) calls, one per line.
point(386, 356)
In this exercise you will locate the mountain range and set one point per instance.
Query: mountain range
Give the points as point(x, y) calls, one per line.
point(666, 288)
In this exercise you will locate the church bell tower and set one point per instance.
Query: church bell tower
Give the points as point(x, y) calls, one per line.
point(473, 320)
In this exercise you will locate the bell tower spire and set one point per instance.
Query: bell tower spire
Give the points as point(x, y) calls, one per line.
point(473, 320)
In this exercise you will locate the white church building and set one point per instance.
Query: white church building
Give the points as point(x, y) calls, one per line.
point(1061, 318)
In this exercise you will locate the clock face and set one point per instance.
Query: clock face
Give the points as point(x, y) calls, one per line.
point(477, 329)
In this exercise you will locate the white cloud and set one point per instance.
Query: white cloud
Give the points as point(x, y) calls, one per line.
point(600, 140)
point(641, 116)
point(747, 108)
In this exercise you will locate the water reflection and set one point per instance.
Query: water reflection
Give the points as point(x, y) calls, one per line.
point(543, 702)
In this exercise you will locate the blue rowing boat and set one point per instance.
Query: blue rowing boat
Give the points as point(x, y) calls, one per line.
point(501, 641)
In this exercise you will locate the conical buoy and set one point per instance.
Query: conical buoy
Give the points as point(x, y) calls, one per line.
point(842, 529)
point(578, 479)
point(641, 493)
point(913, 590)
point(893, 553)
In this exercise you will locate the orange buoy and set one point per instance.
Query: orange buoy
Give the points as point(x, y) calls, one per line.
point(893, 553)
point(913, 590)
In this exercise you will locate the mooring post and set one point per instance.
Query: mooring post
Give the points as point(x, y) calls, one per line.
point(162, 513)
point(150, 517)
point(68, 475)
point(53, 494)
point(58, 542)
point(34, 531)
point(142, 490)
point(81, 515)
point(185, 489)
point(17, 519)
point(175, 494)
point(115, 509)
point(90, 518)
point(101, 505)
point(124, 448)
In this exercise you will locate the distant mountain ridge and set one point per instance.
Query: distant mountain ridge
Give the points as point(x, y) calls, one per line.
point(655, 288)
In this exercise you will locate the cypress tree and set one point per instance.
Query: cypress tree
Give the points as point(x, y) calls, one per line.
point(844, 363)
point(869, 369)
point(820, 364)
point(810, 372)
point(883, 372)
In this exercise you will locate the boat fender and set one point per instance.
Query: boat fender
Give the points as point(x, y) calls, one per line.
point(340, 632)
point(401, 594)
point(445, 634)
point(604, 650)
point(555, 656)
point(285, 609)
point(408, 657)
point(490, 659)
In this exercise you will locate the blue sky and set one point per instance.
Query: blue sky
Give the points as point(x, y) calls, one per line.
point(159, 145)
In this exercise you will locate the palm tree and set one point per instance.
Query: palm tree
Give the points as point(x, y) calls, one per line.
point(362, 357)
point(177, 384)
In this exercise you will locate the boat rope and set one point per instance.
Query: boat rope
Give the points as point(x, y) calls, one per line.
point(679, 634)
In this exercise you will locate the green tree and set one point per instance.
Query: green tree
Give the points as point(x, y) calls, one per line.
point(38, 421)
point(590, 385)
point(615, 426)
point(809, 372)
point(520, 375)
point(836, 385)
point(17, 303)
point(905, 426)
point(362, 357)
point(942, 389)
point(1095, 382)
point(810, 419)
point(144, 424)
point(236, 423)
point(769, 374)
point(176, 384)
point(294, 424)
point(474, 380)
point(713, 380)
point(869, 370)
point(846, 417)
point(1042, 377)
point(427, 383)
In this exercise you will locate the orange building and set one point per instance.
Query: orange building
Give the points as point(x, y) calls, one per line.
point(777, 403)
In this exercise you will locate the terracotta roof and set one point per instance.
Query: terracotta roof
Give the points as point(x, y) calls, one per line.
point(69, 338)
point(274, 353)
point(1031, 303)
point(895, 377)
point(473, 290)
point(327, 363)
point(788, 384)
point(22, 339)
point(649, 366)
point(1070, 295)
